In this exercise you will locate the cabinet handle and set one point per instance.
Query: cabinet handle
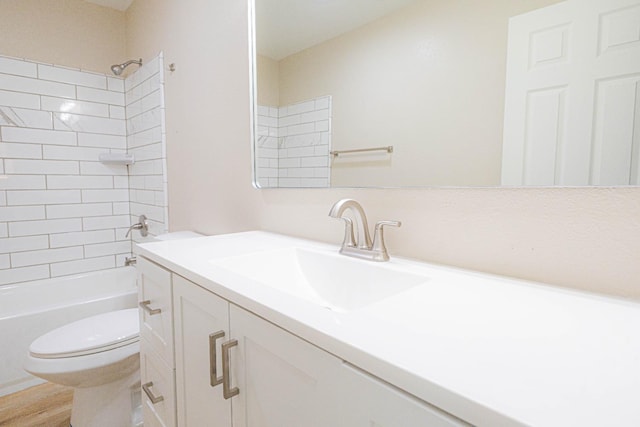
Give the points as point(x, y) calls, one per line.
point(149, 393)
point(213, 375)
point(151, 311)
point(227, 391)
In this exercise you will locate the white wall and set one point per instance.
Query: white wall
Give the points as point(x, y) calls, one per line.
point(144, 97)
point(582, 238)
point(62, 211)
point(207, 108)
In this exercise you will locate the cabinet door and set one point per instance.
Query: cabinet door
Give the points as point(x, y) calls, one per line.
point(199, 314)
point(154, 289)
point(283, 381)
point(369, 402)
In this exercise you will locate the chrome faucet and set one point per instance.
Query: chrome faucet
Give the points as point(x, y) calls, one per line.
point(360, 246)
point(364, 240)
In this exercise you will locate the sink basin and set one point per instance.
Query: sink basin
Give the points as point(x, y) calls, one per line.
point(331, 280)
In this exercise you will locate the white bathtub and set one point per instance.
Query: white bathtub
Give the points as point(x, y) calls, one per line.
point(28, 310)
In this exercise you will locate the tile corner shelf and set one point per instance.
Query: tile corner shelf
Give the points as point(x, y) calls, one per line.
point(117, 158)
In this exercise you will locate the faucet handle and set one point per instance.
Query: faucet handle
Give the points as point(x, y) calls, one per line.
point(379, 248)
point(142, 225)
point(381, 224)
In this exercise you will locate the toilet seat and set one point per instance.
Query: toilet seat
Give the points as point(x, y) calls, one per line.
point(89, 336)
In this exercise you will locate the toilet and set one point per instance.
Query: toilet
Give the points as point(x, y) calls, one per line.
point(99, 357)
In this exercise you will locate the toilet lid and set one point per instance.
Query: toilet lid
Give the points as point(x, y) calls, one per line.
point(88, 336)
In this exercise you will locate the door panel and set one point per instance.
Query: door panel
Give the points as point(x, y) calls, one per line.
point(283, 380)
point(373, 403)
point(571, 103)
point(198, 314)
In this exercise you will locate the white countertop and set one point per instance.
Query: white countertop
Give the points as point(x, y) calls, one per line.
point(493, 351)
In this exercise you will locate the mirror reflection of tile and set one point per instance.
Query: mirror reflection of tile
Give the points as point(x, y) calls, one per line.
point(293, 144)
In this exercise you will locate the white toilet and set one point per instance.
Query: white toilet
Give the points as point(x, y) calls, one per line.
point(99, 357)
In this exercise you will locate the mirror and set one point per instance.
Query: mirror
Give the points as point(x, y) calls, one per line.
point(416, 93)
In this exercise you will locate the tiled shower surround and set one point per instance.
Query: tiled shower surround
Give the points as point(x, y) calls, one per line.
point(62, 211)
point(144, 97)
point(293, 144)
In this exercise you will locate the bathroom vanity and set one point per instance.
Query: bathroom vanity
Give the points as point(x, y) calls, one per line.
point(257, 329)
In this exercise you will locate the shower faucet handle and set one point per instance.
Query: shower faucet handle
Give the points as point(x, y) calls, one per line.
point(142, 225)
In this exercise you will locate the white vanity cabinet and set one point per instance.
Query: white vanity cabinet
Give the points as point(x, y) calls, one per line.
point(436, 354)
point(201, 325)
point(282, 380)
point(370, 402)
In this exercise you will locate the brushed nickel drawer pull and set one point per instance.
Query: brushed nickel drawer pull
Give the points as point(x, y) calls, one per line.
point(151, 311)
point(149, 393)
point(213, 357)
point(227, 391)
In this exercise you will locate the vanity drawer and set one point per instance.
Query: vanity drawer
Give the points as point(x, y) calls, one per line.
point(156, 316)
point(158, 389)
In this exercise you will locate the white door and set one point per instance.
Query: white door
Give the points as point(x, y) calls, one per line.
point(283, 381)
point(572, 103)
point(200, 319)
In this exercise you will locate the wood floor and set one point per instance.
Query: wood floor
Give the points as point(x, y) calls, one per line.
point(46, 405)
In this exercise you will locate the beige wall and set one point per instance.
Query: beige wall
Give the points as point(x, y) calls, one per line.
point(580, 238)
point(268, 75)
point(428, 79)
point(207, 108)
point(72, 33)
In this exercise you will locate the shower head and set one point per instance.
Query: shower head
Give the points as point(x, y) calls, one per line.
point(119, 68)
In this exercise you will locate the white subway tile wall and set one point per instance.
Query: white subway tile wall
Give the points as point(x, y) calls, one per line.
point(61, 210)
point(293, 145)
point(144, 110)
point(266, 154)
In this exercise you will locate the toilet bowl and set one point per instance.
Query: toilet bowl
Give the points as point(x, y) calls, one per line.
point(99, 357)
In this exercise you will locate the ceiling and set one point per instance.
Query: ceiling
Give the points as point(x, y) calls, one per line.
point(285, 27)
point(120, 5)
point(311, 21)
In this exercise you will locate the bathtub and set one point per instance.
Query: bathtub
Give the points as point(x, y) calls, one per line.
point(28, 310)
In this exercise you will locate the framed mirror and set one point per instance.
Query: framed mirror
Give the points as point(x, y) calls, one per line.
point(417, 93)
